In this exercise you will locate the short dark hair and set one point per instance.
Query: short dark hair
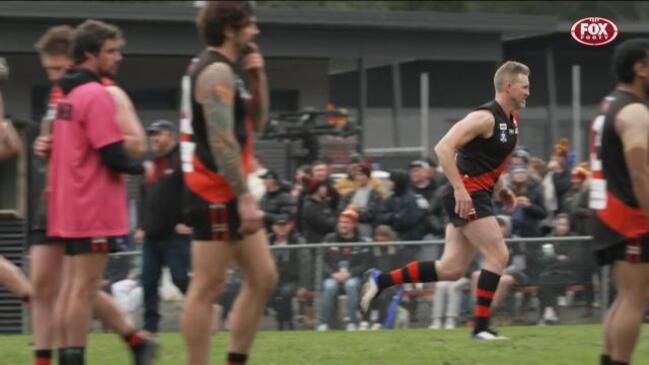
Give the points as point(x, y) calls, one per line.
point(56, 41)
point(626, 55)
point(90, 37)
point(217, 15)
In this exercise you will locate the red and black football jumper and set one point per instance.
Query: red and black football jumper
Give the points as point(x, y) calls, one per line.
point(481, 162)
point(210, 204)
point(620, 226)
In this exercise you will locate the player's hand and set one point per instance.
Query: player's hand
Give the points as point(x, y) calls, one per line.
point(139, 236)
point(183, 229)
point(43, 146)
point(253, 62)
point(252, 218)
point(508, 199)
point(463, 203)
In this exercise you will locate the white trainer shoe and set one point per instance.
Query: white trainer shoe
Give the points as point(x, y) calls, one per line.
point(450, 324)
point(488, 335)
point(322, 327)
point(437, 324)
point(550, 315)
point(369, 289)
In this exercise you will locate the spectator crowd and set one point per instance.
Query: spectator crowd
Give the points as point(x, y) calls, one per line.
point(319, 206)
point(322, 207)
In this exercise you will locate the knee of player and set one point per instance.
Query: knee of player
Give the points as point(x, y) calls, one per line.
point(206, 290)
point(44, 289)
point(265, 281)
point(85, 291)
point(501, 257)
point(506, 280)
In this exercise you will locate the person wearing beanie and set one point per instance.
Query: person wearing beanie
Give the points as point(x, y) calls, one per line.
point(365, 200)
point(530, 209)
point(343, 267)
point(575, 201)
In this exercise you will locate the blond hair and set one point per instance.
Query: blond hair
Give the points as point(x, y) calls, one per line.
point(509, 72)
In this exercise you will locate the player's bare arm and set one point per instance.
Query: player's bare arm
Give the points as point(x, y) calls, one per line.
point(479, 123)
point(129, 123)
point(632, 125)
point(215, 91)
point(254, 64)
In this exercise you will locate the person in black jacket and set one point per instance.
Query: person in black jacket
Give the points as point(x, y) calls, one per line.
point(529, 210)
point(318, 213)
point(166, 239)
point(365, 200)
point(401, 212)
point(276, 201)
point(343, 266)
point(292, 267)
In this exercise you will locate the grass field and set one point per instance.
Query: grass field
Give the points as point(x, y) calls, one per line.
point(554, 345)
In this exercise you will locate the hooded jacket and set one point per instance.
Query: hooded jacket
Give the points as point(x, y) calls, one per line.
point(401, 211)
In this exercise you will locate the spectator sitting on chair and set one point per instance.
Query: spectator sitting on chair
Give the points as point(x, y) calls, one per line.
point(293, 269)
point(575, 201)
point(276, 201)
point(349, 184)
point(313, 184)
point(565, 264)
point(447, 296)
point(401, 212)
point(318, 213)
point(343, 266)
point(365, 200)
point(530, 209)
point(384, 256)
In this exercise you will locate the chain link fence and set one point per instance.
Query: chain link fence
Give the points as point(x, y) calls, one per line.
point(549, 280)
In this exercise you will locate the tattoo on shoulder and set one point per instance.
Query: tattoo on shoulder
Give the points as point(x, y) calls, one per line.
point(216, 92)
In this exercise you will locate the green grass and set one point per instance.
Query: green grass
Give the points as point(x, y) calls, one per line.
point(555, 345)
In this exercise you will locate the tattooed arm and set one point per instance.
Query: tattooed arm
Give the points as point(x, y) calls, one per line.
point(254, 64)
point(215, 92)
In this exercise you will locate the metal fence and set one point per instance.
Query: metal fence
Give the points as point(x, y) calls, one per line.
point(560, 268)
